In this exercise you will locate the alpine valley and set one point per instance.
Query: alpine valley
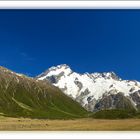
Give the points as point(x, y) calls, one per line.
point(60, 93)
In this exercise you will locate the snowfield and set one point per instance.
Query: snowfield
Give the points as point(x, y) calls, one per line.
point(88, 86)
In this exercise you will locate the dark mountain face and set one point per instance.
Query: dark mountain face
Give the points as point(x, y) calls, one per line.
point(115, 101)
point(27, 97)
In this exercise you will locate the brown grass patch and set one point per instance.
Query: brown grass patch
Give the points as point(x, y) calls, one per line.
point(18, 124)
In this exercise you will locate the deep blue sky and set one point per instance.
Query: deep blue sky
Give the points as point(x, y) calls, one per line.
point(87, 40)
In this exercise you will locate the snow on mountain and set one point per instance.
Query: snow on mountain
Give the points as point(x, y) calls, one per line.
point(89, 89)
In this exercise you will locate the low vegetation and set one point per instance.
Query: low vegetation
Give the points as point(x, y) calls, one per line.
point(88, 124)
point(115, 114)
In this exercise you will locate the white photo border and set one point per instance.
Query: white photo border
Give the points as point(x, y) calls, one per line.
point(70, 5)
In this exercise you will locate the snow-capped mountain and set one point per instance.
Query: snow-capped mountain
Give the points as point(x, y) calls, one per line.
point(94, 91)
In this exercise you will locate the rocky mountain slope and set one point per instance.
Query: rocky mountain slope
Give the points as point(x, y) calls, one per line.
point(95, 91)
point(27, 97)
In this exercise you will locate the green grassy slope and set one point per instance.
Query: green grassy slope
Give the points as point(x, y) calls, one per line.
point(21, 96)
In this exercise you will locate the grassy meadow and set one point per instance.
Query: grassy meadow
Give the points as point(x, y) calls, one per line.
point(87, 124)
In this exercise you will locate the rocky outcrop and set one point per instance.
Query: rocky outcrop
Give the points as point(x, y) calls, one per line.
point(114, 101)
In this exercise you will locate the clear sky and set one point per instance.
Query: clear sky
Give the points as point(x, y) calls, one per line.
point(87, 40)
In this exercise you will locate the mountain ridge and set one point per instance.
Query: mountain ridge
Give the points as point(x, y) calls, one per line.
point(62, 93)
point(22, 96)
point(88, 89)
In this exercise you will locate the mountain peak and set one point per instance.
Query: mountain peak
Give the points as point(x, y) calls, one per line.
point(62, 69)
point(62, 66)
point(112, 75)
point(65, 70)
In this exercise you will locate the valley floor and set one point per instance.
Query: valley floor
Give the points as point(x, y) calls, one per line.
point(7, 123)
